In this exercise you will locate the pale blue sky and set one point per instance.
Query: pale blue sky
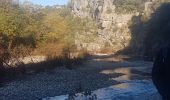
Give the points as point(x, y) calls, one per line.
point(47, 2)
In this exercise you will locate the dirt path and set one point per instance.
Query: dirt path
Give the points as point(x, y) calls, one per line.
point(98, 72)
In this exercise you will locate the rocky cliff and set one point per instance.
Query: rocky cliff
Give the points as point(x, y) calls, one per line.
point(113, 26)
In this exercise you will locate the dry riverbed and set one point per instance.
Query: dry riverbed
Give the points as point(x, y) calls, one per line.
point(97, 72)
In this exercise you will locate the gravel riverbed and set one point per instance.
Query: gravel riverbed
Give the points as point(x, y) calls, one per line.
point(92, 75)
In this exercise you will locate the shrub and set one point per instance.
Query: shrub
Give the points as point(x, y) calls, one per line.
point(129, 6)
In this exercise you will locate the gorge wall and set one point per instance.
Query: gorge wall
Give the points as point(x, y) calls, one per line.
point(113, 26)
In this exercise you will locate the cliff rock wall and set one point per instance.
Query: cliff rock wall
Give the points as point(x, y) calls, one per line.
point(113, 27)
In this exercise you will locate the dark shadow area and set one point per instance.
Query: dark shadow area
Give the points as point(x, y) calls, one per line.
point(151, 35)
point(20, 70)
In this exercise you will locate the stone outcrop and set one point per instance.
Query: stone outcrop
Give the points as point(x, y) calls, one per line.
point(113, 27)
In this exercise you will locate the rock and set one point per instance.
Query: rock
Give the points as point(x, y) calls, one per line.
point(113, 27)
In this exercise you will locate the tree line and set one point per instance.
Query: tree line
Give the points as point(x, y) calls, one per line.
point(30, 28)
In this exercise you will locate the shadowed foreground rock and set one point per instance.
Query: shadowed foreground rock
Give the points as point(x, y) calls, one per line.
point(129, 90)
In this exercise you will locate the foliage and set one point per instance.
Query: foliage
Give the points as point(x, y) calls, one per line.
point(32, 30)
point(28, 28)
point(129, 6)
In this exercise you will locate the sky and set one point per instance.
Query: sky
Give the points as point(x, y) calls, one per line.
point(48, 2)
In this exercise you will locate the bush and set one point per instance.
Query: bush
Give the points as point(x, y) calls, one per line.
point(44, 31)
point(129, 6)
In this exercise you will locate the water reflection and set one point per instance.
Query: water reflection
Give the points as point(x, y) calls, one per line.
point(125, 71)
point(129, 73)
point(107, 72)
point(121, 86)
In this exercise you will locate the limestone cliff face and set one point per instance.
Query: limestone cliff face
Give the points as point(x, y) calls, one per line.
point(113, 27)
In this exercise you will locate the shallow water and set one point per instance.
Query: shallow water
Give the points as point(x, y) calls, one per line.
point(129, 90)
